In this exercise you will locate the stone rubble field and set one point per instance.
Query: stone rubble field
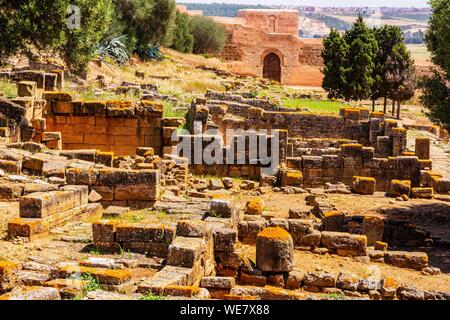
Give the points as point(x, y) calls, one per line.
point(98, 203)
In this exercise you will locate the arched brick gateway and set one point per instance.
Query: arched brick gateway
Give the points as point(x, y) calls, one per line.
point(272, 67)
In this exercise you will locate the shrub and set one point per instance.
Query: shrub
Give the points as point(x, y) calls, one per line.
point(209, 36)
point(183, 39)
point(147, 22)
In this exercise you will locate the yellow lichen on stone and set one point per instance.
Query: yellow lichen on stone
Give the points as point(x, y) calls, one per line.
point(274, 233)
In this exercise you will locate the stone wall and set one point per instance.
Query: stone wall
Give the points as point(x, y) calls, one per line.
point(117, 126)
point(255, 34)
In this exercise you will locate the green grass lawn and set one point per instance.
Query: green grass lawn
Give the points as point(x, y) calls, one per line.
point(327, 106)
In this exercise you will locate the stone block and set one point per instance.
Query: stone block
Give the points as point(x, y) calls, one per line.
point(319, 279)
point(333, 221)
point(303, 233)
point(422, 193)
point(104, 230)
point(255, 206)
point(363, 185)
point(274, 250)
point(184, 251)
point(225, 240)
point(291, 177)
point(222, 208)
point(405, 259)
point(422, 148)
point(398, 188)
point(153, 233)
point(104, 276)
point(343, 240)
point(373, 228)
point(217, 282)
point(8, 275)
point(33, 293)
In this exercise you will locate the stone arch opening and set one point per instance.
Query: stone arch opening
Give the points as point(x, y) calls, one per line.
point(272, 67)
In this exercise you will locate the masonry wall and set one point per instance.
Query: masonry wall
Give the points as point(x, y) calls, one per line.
point(100, 125)
point(300, 59)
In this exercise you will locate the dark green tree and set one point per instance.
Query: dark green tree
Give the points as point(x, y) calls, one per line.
point(147, 22)
point(387, 37)
point(31, 27)
point(209, 36)
point(436, 98)
point(436, 88)
point(437, 36)
point(183, 39)
point(334, 54)
point(359, 65)
point(81, 43)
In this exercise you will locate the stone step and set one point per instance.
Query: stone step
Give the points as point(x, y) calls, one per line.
point(104, 276)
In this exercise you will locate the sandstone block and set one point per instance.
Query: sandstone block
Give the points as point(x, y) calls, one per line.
point(184, 252)
point(347, 281)
point(422, 193)
point(8, 275)
point(303, 233)
point(274, 250)
point(153, 233)
point(373, 228)
point(319, 279)
point(255, 206)
point(221, 208)
point(398, 188)
point(192, 228)
point(333, 221)
point(294, 280)
point(217, 282)
point(225, 239)
point(363, 185)
point(104, 276)
point(104, 230)
point(343, 240)
point(405, 259)
point(33, 293)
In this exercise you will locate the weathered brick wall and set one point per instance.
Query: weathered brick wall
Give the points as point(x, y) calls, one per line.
point(356, 160)
point(253, 38)
point(119, 127)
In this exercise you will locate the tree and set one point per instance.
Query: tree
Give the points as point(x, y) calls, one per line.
point(436, 98)
point(31, 27)
point(209, 36)
point(334, 54)
point(25, 27)
point(183, 39)
point(436, 88)
point(359, 65)
point(437, 36)
point(147, 22)
point(387, 37)
point(81, 43)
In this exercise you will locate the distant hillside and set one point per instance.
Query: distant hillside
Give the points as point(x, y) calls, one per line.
point(330, 22)
point(221, 9)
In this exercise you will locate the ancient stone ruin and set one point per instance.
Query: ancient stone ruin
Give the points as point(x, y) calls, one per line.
point(154, 222)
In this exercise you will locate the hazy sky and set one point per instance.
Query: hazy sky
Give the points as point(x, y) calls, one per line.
point(325, 3)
